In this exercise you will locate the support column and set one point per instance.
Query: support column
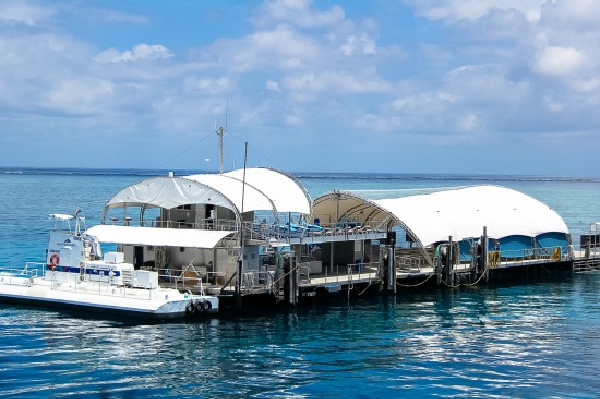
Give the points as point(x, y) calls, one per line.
point(485, 253)
point(450, 266)
point(293, 276)
point(391, 270)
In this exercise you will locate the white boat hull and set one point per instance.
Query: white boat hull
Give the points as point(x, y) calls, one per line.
point(110, 300)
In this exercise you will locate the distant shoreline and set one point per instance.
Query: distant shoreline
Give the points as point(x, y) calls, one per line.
point(144, 172)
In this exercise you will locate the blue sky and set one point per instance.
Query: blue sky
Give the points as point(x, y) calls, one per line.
point(398, 86)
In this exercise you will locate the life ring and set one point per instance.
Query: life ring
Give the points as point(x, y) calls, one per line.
point(54, 260)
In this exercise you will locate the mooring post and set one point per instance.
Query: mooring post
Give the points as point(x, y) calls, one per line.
point(382, 270)
point(286, 280)
point(391, 274)
point(238, 284)
point(450, 265)
point(293, 276)
point(485, 253)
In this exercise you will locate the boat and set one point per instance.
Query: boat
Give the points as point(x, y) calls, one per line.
point(78, 274)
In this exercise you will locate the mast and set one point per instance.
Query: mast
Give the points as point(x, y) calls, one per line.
point(220, 132)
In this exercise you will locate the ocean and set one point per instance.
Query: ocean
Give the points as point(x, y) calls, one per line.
point(537, 340)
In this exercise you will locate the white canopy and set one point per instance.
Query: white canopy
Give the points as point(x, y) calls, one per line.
point(231, 188)
point(265, 190)
point(136, 235)
point(168, 193)
point(287, 193)
point(460, 213)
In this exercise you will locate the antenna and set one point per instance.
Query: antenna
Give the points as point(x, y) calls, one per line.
point(221, 132)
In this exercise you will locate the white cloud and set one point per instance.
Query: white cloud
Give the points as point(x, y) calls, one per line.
point(272, 85)
point(559, 61)
point(469, 122)
point(299, 13)
point(361, 44)
point(455, 10)
point(422, 101)
point(139, 52)
point(114, 16)
point(280, 48)
point(21, 12)
point(336, 82)
point(80, 95)
point(209, 84)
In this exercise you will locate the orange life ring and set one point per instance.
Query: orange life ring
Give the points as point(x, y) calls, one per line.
point(54, 260)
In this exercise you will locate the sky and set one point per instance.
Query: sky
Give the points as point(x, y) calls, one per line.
point(390, 86)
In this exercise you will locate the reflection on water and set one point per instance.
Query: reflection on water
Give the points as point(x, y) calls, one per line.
point(525, 341)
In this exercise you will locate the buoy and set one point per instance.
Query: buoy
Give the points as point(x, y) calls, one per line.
point(54, 260)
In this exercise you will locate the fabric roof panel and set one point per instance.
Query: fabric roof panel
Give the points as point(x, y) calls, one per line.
point(254, 199)
point(168, 193)
point(460, 213)
point(287, 193)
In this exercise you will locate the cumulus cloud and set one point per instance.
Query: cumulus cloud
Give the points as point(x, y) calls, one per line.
point(139, 52)
point(298, 65)
point(556, 60)
point(361, 44)
point(281, 48)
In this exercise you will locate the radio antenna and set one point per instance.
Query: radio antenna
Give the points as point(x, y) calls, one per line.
point(220, 133)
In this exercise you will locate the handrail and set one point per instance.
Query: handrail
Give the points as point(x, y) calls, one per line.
point(18, 276)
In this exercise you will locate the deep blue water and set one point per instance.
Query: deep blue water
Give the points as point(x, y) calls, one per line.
point(539, 340)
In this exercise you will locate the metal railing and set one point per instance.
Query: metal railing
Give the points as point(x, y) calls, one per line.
point(507, 258)
point(271, 231)
point(404, 263)
point(189, 280)
point(353, 272)
point(14, 276)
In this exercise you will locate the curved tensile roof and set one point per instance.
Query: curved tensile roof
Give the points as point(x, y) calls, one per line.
point(285, 191)
point(461, 213)
point(265, 190)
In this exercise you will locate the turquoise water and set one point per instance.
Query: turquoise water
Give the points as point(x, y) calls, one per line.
point(537, 340)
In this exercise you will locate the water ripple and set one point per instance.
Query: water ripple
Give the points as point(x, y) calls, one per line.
point(527, 341)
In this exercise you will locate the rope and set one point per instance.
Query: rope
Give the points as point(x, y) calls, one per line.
point(416, 285)
point(445, 283)
point(365, 289)
point(479, 279)
point(280, 278)
point(450, 285)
